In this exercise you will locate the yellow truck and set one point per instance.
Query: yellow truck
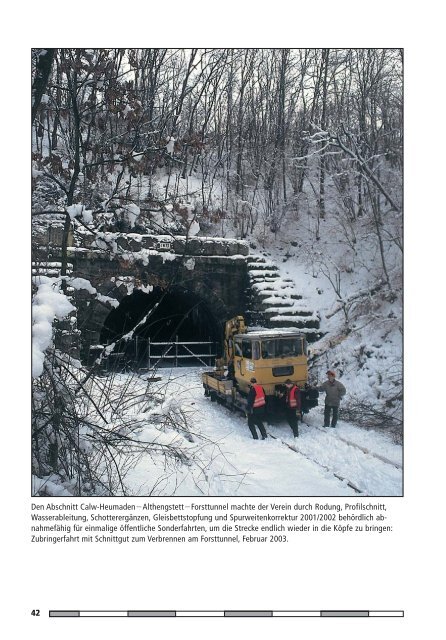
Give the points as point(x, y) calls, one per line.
point(271, 356)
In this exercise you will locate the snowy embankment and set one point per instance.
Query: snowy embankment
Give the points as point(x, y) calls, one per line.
point(231, 463)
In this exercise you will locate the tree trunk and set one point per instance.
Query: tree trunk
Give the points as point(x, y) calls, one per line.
point(325, 57)
point(40, 83)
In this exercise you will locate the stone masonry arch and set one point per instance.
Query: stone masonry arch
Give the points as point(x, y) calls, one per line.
point(218, 281)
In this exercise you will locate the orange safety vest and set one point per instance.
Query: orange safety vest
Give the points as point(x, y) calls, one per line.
point(291, 399)
point(259, 400)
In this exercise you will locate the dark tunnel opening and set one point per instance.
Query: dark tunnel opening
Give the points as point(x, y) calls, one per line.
point(177, 316)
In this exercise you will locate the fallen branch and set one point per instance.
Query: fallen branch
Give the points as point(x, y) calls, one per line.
point(363, 293)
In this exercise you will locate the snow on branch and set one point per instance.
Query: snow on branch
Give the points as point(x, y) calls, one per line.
point(49, 303)
point(78, 210)
point(362, 162)
point(124, 338)
point(82, 283)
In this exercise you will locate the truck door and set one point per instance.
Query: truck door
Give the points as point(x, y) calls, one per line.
point(246, 356)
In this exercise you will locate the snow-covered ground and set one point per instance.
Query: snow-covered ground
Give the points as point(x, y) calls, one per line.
point(228, 462)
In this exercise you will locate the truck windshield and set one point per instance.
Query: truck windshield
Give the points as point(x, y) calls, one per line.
point(282, 348)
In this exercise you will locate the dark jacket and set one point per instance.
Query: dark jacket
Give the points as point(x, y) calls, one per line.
point(334, 391)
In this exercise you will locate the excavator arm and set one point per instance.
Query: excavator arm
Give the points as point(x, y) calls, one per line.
point(232, 327)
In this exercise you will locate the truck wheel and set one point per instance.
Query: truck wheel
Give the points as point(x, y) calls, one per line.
point(206, 392)
point(213, 396)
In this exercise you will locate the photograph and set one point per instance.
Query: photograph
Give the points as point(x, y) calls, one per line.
point(217, 272)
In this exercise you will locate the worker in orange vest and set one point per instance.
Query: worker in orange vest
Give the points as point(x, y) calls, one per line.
point(255, 409)
point(293, 406)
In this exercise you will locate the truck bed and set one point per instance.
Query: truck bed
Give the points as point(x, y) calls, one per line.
point(219, 383)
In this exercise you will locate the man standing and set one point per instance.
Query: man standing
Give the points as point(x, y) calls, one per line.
point(334, 391)
point(255, 409)
point(292, 406)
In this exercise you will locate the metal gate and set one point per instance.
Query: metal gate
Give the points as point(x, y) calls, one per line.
point(179, 353)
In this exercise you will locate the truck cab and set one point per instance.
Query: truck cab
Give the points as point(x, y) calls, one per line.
point(272, 357)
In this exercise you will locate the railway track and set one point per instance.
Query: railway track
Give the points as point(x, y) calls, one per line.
point(378, 456)
point(323, 466)
point(340, 476)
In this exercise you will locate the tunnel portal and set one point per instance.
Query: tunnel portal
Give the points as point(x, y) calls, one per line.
point(156, 319)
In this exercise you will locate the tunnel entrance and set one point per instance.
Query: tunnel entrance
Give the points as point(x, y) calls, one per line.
point(180, 326)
